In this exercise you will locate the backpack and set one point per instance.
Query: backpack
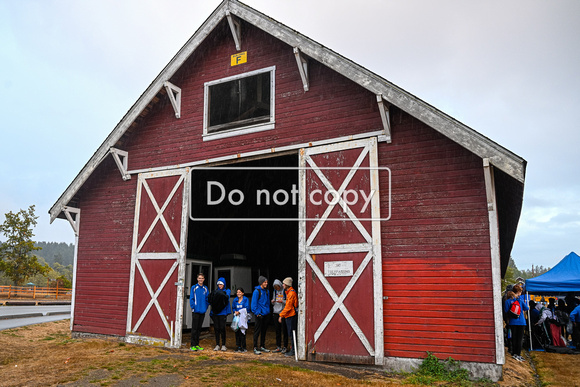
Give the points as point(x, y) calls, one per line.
point(562, 317)
point(515, 310)
point(218, 299)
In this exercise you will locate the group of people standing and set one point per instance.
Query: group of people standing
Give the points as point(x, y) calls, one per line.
point(562, 320)
point(282, 305)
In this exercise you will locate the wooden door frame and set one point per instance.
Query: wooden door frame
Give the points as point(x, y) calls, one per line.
point(175, 331)
point(303, 253)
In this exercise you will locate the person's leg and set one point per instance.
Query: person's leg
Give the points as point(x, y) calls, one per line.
point(278, 329)
point(257, 329)
point(223, 330)
point(289, 326)
point(243, 340)
point(285, 330)
point(195, 329)
point(576, 335)
point(238, 339)
point(216, 325)
point(517, 337)
point(263, 330)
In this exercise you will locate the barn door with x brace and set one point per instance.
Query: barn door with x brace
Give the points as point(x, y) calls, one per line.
point(341, 313)
point(155, 310)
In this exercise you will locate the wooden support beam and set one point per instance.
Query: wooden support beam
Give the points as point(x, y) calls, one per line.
point(73, 215)
point(385, 117)
point(236, 28)
point(121, 159)
point(302, 63)
point(174, 94)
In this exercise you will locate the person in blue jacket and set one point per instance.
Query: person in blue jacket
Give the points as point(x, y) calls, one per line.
point(240, 303)
point(219, 318)
point(518, 324)
point(575, 319)
point(261, 309)
point(198, 302)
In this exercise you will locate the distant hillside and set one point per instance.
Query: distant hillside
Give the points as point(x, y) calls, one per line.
point(59, 252)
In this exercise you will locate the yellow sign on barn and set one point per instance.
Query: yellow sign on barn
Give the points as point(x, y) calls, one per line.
point(240, 58)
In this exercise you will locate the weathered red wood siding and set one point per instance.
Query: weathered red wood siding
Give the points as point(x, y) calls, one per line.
point(436, 251)
point(104, 251)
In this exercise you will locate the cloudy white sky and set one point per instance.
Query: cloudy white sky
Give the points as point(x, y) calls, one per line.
point(70, 70)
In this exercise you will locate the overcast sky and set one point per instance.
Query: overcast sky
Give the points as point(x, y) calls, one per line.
point(70, 70)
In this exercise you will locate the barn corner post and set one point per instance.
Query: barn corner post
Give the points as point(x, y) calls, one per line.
point(73, 215)
point(495, 259)
point(182, 258)
point(301, 341)
point(377, 259)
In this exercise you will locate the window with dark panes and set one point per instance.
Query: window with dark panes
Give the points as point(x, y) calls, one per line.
point(239, 102)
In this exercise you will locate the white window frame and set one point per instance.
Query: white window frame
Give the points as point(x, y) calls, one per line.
point(243, 129)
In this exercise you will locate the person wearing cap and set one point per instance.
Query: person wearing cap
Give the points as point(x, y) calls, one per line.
point(289, 311)
point(219, 318)
point(278, 302)
point(261, 309)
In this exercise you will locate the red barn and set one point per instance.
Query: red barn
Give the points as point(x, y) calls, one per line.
point(257, 151)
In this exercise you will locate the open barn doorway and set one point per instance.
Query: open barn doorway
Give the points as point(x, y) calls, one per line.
point(251, 231)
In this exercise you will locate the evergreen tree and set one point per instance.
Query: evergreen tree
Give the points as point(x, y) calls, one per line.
point(16, 259)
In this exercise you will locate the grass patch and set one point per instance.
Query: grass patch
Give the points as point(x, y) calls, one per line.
point(434, 371)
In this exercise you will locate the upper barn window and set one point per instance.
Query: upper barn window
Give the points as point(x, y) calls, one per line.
point(239, 104)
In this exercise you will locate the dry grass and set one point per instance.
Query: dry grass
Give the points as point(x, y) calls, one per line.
point(556, 369)
point(45, 355)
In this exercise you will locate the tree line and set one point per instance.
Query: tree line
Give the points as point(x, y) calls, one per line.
point(513, 273)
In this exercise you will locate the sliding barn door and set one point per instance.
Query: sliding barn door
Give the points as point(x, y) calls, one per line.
point(340, 254)
point(155, 310)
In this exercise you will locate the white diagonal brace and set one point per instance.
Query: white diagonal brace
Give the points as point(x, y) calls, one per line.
point(174, 94)
point(236, 28)
point(121, 158)
point(302, 68)
point(74, 222)
point(384, 110)
point(341, 306)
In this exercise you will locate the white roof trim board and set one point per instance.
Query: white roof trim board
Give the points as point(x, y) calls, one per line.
point(480, 145)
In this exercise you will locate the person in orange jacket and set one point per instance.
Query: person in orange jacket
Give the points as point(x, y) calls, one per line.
point(289, 311)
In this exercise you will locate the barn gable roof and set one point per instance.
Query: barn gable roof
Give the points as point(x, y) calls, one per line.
point(513, 165)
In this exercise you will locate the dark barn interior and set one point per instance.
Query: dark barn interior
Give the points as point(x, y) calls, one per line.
point(256, 230)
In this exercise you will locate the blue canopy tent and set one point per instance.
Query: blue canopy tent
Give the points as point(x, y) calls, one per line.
point(562, 278)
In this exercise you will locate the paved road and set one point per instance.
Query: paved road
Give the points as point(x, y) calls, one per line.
point(18, 316)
